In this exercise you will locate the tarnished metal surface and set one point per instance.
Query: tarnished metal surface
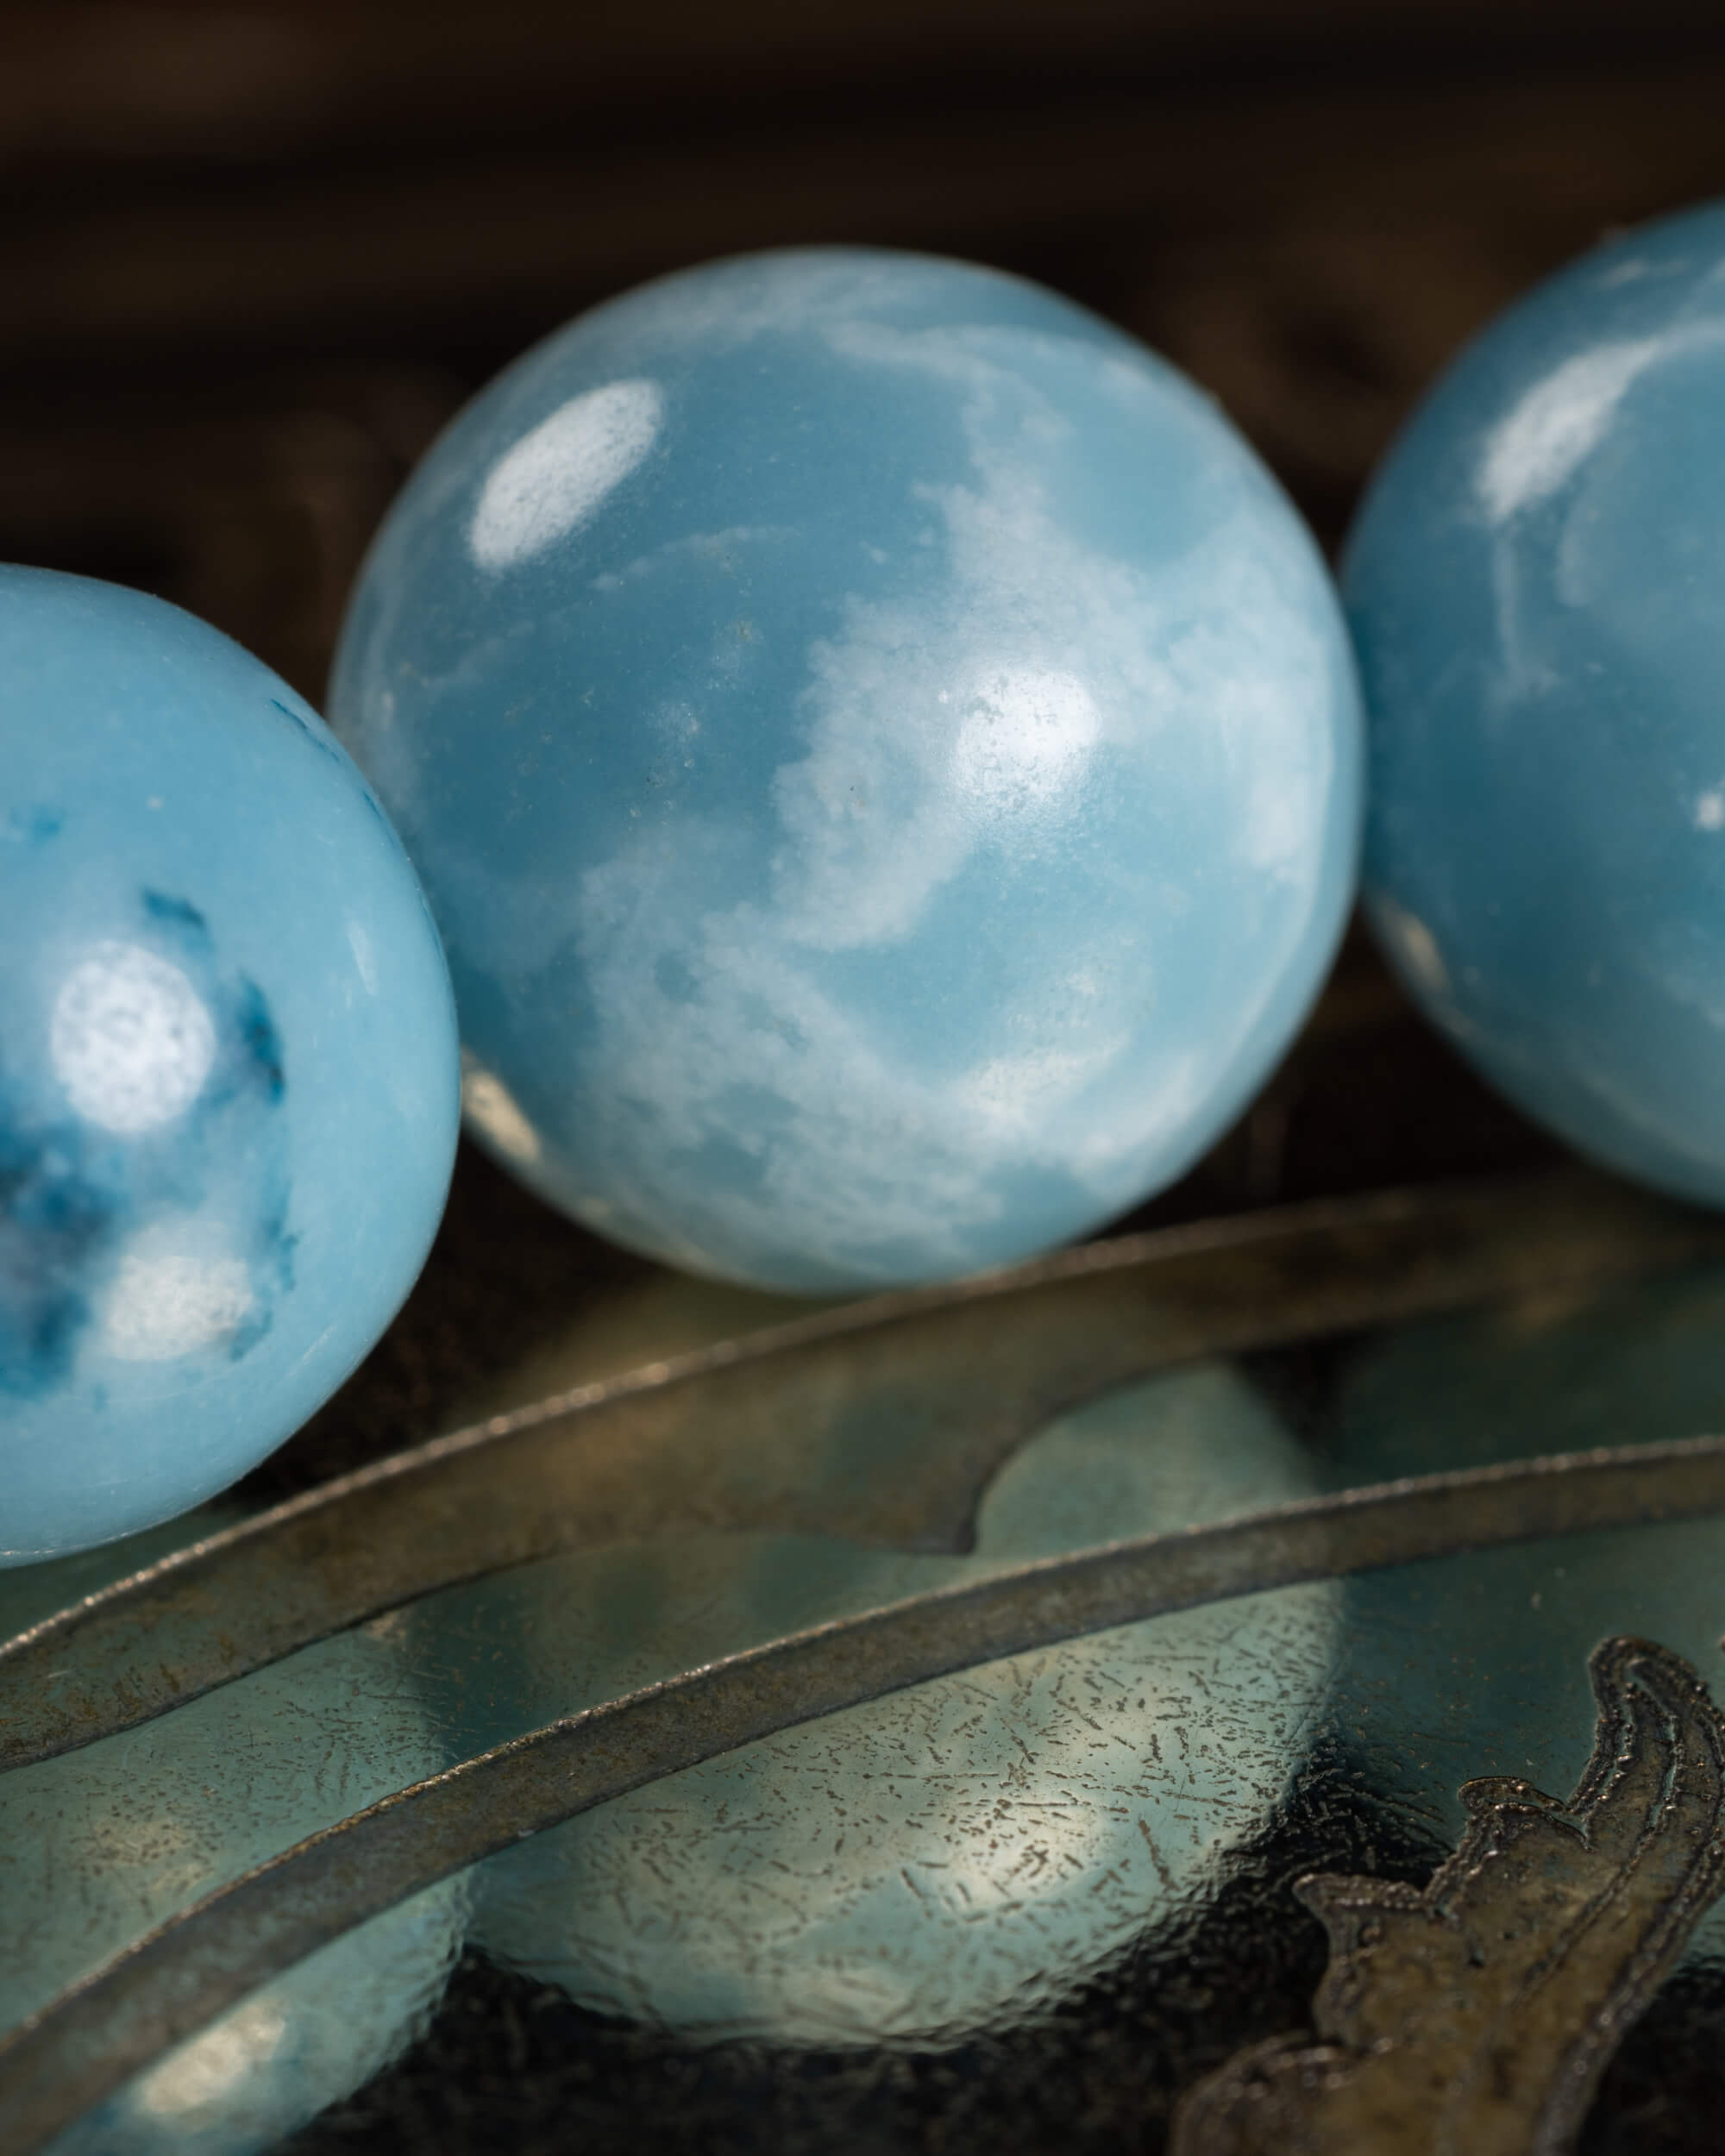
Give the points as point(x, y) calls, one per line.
point(946, 1383)
point(1474, 2017)
point(183, 1975)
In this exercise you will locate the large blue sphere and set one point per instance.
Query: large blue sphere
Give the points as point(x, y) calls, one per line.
point(1537, 589)
point(883, 754)
point(227, 1063)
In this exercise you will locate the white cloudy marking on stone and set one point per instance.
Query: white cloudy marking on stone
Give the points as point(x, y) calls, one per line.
point(1556, 424)
point(904, 702)
point(130, 1039)
point(1014, 1093)
point(489, 1106)
point(826, 291)
point(555, 477)
point(1709, 811)
point(212, 2067)
point(870, 1150)
point(936, 723)
point(1527, 669)
point(984, 710)
point(719, 550)
point(1160, 1101)
point(1026, 734)
point(172, 1296)
point(857, 1145)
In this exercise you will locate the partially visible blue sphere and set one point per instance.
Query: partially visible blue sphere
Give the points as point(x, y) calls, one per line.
point(1536, 586)
point(883, 756)
point(228, 1075)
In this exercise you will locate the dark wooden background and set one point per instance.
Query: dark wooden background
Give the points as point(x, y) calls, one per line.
point(253, 256)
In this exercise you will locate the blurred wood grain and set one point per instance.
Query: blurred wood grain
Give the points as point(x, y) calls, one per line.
point(265, 80)
point(252, 256)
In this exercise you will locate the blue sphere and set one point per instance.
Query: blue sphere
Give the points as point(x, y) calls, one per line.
point(882, 753)
point(1536, 586)
point(228, 1079)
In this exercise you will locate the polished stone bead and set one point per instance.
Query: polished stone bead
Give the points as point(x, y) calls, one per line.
point(883, 754)
point(939, 1863)
point(1534, 587)
point(228, 1068)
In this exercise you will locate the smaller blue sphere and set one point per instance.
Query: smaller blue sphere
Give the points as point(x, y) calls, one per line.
point(1536, 586)
point(228, 1077)
point(882, 753)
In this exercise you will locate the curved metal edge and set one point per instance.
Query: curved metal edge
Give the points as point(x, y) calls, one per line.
point(181, 1976)
point(1481, 2011)
point(577, 1469)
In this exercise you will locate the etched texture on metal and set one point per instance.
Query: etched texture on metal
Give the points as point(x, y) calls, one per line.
point(1475, 2016)
point(958, 1377)
point(184, 1974)
point(933, 1392)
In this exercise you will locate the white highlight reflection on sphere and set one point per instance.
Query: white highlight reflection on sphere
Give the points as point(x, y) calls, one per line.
point(558, 473)
point(131, 1040)
point(192, 2081)
point(488, 1104)
point(169, 1300)
point(1027, 736)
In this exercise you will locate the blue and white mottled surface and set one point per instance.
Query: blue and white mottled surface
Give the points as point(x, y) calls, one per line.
point(883, 757)
point(228, 1065)
point(1537, 589)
